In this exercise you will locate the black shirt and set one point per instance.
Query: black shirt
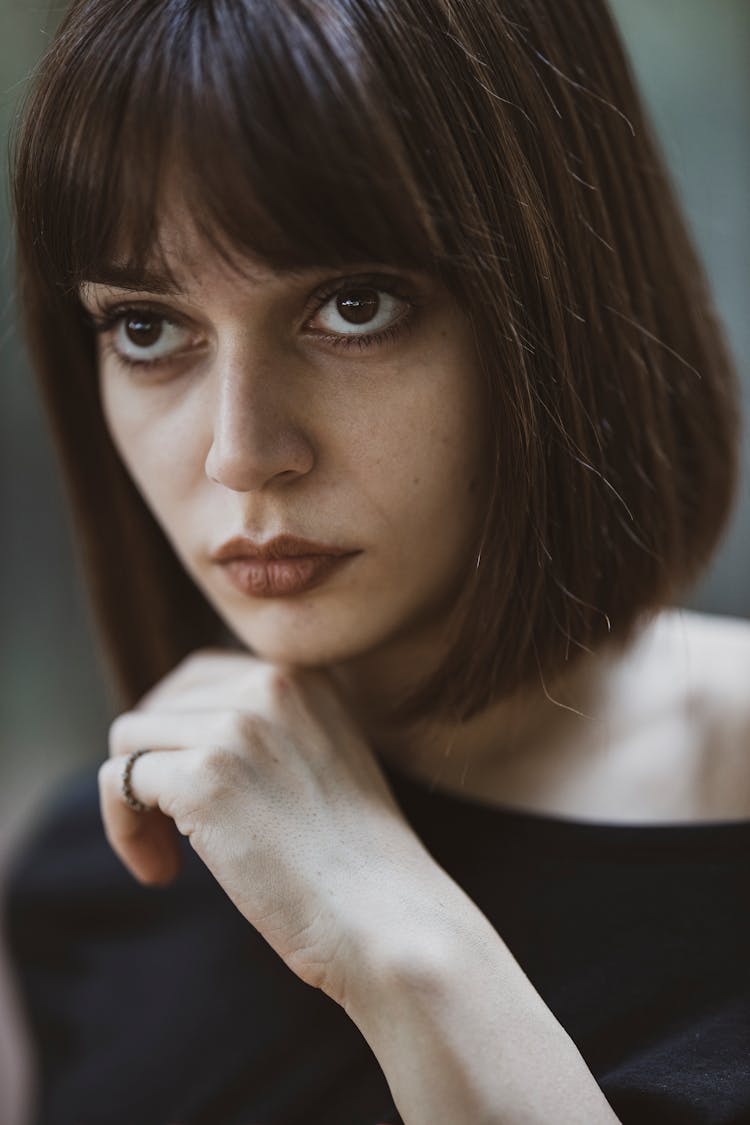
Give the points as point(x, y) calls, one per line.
point(164, 1006)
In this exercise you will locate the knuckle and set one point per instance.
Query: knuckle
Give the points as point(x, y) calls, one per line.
point(270, 686)
point(193, 660)
point(220, 772)
point(191, 667)
point(279, 683)
point(243, 728)
point(199, 657)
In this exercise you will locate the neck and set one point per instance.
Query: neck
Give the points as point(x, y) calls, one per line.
point(531, 721)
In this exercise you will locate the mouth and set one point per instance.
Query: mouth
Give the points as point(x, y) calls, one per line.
point(281, 547)
point(283, 577)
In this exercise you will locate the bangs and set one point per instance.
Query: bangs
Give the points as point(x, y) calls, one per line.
point(268, 121)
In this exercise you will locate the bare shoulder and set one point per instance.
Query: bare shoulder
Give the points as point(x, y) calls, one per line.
point(709, 656)
point(698, 665)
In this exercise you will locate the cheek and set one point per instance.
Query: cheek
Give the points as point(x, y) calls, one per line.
point(424, 457)
point(159, 460)
point(127, 428)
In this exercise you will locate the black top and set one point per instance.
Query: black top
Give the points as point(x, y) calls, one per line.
point(164, 1006)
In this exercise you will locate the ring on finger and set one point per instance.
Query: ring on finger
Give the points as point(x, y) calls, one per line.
point(127, 792)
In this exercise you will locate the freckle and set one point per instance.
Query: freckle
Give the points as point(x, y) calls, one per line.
point(416, 480)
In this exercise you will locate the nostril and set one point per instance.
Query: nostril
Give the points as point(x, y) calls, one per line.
point(246, 470)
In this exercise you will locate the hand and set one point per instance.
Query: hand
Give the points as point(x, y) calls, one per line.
point(267, 774)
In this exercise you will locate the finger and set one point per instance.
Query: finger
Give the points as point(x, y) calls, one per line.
point(146, 842)
point(175, 730)
point(204, 669)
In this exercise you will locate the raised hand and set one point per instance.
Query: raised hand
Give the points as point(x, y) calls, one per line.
point(265, 771)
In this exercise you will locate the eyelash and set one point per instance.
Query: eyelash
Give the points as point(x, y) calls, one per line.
point(107, 320)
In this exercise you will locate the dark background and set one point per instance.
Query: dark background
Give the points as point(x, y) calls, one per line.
point(691, 57)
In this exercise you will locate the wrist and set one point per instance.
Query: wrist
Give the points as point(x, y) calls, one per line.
point(417, 939)
point(460, 1032)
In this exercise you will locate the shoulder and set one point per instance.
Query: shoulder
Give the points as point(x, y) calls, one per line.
point(708, 659)
point(696, 667)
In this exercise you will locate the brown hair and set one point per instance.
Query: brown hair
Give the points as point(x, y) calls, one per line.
point(501, 146)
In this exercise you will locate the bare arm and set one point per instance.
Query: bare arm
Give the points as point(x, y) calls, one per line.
point(333, 876)
point(462, 1035)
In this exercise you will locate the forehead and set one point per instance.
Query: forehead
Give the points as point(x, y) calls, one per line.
point(182, 256)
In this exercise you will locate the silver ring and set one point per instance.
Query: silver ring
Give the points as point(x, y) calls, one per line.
point(127, 792)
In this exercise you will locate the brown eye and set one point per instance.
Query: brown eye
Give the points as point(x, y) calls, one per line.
point(143, 336)
point(143, 329)
point(375, 309)
point(358, 306)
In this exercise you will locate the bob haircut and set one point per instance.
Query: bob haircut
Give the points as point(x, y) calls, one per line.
point(502, 147)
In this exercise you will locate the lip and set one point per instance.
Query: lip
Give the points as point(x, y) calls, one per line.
point(280, 547)
point(278, 578)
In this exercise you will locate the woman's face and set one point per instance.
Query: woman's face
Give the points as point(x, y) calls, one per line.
point(265, 410)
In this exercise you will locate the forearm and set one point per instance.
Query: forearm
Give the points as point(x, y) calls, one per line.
point(462, 1035)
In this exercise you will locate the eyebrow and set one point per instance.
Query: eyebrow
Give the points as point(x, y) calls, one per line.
point(137, 279)
point(115, 276)
point(129, 277)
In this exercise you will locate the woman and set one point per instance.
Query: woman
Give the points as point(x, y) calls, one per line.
point(396, 419)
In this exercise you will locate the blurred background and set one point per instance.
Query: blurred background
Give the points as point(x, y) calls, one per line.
point(691, 58)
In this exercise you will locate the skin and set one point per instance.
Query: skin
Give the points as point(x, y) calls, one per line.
point(256, 427)
point(253, 422)
point(260, 428)
point(283, 740)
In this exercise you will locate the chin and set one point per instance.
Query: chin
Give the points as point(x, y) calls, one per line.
point(303, 648)
point(314, 634)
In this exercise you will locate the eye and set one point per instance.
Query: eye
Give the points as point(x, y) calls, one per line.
point(377, 304)
point(354, 308)
point(363, 312)
point(143, 336)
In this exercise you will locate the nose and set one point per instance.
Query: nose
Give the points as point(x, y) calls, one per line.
point(256, 440)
